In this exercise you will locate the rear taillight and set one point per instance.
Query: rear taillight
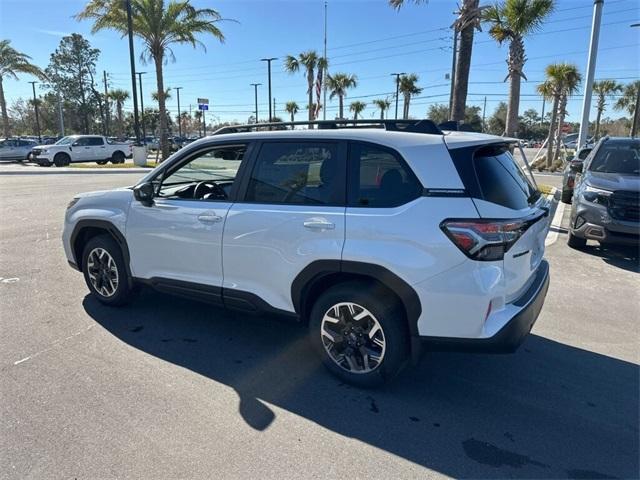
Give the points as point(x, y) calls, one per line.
point(570, 182)
point(486, 240)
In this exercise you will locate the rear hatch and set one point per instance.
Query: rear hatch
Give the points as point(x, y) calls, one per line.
point(507, 200)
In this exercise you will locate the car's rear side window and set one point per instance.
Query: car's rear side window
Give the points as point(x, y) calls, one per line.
point(379, 178)
point(501, 180)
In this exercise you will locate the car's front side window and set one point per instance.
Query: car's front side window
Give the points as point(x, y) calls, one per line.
point(207, 175)
point(297, 173)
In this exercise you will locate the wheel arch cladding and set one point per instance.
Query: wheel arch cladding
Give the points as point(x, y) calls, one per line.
point(85, 230)
point(319, 275)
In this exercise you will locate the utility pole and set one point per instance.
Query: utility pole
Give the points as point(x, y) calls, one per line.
point(144, 127)
point(453, 69)
point(583, 135)
point(324, 73)
point(35, 104)
point(177, 89)
point(255, 91)
point(484, 110)
point(274, 108)
point(397, 75)
point(136, 122)
point(204, 124)
point(269, 60)
point(60, 115)
point(106, 104)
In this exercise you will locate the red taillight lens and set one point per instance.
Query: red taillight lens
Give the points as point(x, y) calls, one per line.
point(486, 240)
point(570, 182)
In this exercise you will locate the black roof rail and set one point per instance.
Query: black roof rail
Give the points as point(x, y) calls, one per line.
point(412, 126)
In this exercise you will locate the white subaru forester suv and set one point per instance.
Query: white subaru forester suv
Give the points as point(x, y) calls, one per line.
point(381, 238)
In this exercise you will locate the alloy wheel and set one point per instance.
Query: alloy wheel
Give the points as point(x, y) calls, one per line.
point(102, 271)
point(353, 338)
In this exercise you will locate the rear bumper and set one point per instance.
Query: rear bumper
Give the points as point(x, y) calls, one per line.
point(513, 333)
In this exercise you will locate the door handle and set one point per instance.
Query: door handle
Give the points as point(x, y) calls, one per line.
point(209, 218)
point(318, 224)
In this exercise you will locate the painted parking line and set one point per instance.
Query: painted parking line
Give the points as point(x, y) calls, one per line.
point(556, 224)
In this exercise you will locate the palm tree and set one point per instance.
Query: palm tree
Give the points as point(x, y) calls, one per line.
point(603, 89)
point(469, 19)
point(628, 102)
point(572, 79)
point(357, 107)
point(292, 108)
point(408, 88)
point(310, 61)
point(383, 104)
point(13, 62)
point(119, 96)
point(339, 83)
point(166, 96)
point(510, 22)
point(159, 25)
point(562, 80)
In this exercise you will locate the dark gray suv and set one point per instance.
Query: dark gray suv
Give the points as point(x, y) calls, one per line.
point(606, 199)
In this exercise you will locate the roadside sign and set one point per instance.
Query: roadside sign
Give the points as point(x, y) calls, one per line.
point(204, 101)
point(203, 106)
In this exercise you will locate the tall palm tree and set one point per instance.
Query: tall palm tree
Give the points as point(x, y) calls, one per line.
point(408, 87)
point(166, 96)
point(603, 89)
point(13, 62)
point(119, 96)
point(339, 83)
point(357, 107)
point(383, 104)
point(160, 25)
point(309, 61)
point(292, 108)
point(572, 79)
point(562, 79)
point(510, 22)
point(469, 19)
point(628, 101)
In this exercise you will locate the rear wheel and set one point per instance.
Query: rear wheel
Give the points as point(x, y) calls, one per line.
point(118, 157)
point(361, 336)
point(105, 272)
point(576, 242)
point(566, 196)
point(61, 160)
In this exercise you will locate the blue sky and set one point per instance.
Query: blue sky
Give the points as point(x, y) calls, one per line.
point(366, 38)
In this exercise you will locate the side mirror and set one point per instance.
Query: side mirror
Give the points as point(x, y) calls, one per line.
point(576, 166)
point(144, 193)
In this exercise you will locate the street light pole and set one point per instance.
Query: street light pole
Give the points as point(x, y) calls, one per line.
point(583, 134)
point(136, 122)
point(269, 60)
point(255, 90)
point(636, 112)
point(177, 89)
point(453, 70)
point(397, 75)
point(144, 128)
point(35, 104)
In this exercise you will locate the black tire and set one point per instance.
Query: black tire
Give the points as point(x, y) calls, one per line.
point(102, 162)
point(576, 242)
point(566, 197)
point(61, 160)
point(118, 157)
point(123, 291)
point(44, 164)
point(390, 317)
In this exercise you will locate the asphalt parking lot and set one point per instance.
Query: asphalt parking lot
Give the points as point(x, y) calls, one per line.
point(167, 388)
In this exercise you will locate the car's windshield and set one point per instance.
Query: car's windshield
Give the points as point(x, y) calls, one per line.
point(66, 141)
point(617, 156)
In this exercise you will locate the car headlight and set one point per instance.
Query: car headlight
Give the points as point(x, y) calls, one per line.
point(596, 195)
point(73, 201)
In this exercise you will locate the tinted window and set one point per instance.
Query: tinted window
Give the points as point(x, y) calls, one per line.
point(584, 153)
point(379, 178)
point(502, 181)
point(617, 156)
point(94, 141)
point(297, 173)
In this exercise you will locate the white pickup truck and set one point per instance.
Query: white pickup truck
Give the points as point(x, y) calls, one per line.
point(81, 148)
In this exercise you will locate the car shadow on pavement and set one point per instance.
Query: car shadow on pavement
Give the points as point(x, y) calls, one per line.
point(551, 410)
point(621, 256)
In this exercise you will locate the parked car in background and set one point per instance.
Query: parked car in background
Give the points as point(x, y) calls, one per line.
point(16, 149)
point(81, 148)
point(570, 171)
point(606, 200)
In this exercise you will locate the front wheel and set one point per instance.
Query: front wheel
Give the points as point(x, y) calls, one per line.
point(361, 335)
point(576, 242)
point(61, 160)
point(566, 196)
point(105, 272)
